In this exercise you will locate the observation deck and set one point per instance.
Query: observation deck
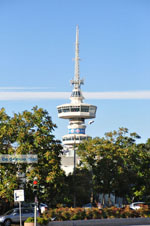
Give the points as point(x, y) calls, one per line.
point(81, 110)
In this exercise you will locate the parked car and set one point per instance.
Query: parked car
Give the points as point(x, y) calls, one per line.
point(136, 205)
point(13, 216)
point(41, 206)
point(89, 205)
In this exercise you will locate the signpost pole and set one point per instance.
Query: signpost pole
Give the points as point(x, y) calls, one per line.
point(35, 212)
point(19, 197)
point(20, 213)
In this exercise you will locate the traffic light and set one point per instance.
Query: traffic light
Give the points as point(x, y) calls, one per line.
point(35, 185)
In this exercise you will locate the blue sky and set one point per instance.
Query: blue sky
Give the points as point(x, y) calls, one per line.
point(37, 47)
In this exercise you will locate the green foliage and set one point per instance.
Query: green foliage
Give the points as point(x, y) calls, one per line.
point(29, 220)
point(118, 165)
point(31, 132)
point(111, 164)
point(78, 184)
point(40, 220)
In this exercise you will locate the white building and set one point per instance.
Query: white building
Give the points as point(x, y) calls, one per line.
point(76, 112)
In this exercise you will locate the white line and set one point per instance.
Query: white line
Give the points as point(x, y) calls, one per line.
point(65, 95)
point(23, 88)
point(118, 95)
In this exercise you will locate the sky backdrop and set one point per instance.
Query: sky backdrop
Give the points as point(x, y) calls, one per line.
point(37, 47)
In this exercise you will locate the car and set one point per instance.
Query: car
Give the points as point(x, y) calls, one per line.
point(136, 205)
point(89, 205)
point(13, 216)
point(41, 206)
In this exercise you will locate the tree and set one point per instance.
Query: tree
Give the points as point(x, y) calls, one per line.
point(30, 132)
point(8, 179)
point(80, 183)
point(115, 162)
point(142, 189)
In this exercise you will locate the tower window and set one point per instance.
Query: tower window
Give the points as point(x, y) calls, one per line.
point(84, 109)
point(75, 109)
point(59, 110)
point(76, 94)
point(66, 109)
point(63, 109)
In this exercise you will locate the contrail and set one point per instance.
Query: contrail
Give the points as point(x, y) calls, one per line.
point(126, 95)
point(24, 88)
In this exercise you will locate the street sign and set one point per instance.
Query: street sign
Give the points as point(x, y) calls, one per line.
point(18, 195)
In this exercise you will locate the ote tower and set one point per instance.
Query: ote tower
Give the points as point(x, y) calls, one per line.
point(77, 111)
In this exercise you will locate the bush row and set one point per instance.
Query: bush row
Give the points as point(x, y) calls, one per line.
point(63, 214)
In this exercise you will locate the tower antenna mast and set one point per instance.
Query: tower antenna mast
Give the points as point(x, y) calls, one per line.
point(77, 82)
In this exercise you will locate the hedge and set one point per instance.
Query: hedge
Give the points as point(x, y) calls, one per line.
point(63, 214)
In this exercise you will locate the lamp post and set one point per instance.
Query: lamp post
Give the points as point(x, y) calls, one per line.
point(74, 174)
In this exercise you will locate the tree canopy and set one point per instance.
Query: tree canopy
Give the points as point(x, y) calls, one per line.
point(31, 132)
point(118, 164)
point(114, 163)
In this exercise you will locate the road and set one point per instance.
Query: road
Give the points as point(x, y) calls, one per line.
point(104, 222)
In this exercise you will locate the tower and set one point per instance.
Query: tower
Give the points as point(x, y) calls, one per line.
point(77, 111)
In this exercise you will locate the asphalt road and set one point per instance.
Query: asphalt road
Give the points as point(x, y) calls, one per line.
point(104, 222)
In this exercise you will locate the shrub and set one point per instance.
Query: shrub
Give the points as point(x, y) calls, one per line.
point(88, 214)
point(96, 213)
point(78, 214)
point(29, 220)
point(66, 214)
point(40, 220)
point(62, 214)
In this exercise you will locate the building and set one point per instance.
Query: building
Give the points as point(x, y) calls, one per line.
point(76, 112)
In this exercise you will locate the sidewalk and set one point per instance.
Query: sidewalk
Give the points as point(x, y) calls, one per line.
point(103, 222)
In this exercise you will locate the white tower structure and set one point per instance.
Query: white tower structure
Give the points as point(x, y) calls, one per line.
point(77, 111)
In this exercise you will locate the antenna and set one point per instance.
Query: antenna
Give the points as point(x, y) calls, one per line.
point(77, 82)
point(77, 76)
